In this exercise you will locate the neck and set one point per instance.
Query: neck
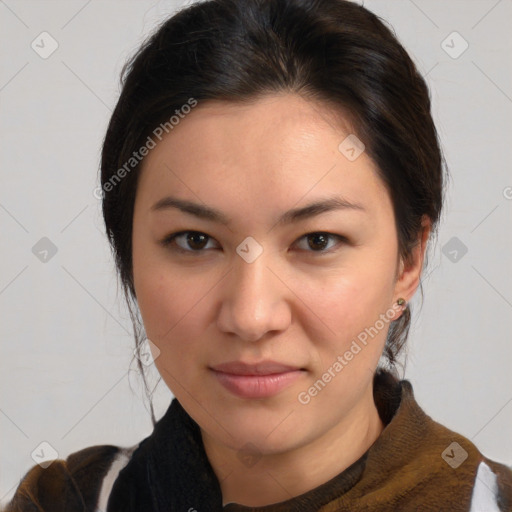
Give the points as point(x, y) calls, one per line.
point(282, 476)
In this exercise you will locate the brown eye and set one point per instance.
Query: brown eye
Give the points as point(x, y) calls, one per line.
point(196, 240)
point(317, 242)
point(187, 241)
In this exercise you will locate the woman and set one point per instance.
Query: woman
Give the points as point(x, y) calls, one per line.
point(271, 177)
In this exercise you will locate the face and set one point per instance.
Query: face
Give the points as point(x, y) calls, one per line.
point(314, 291)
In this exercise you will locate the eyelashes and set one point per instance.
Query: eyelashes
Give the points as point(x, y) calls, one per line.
point(199, 242)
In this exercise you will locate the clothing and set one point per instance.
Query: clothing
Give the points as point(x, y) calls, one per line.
point(416, 464)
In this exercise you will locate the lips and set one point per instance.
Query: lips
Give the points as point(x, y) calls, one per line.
point(259, 380)
point(261, 368)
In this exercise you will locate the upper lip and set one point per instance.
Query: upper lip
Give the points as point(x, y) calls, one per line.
point(260, 368)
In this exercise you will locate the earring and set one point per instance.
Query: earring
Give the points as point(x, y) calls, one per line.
point(400, 301)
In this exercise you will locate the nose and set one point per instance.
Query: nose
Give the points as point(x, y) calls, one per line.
point(254, 301)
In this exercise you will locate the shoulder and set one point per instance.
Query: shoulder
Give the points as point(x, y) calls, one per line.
point(441, 467)
point(462, 463)
point(80, 482)
point(488, 482)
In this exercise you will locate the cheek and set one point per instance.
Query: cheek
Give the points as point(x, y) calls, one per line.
point(172, 307)
point(350, 300)
point(166, 302)
point(346, 308)
point(163, 306)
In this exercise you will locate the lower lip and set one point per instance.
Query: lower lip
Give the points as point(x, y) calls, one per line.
point(257, 386)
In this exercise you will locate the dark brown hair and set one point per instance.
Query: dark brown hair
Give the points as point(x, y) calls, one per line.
point(334, 51)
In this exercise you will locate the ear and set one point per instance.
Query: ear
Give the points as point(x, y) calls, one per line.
point(409, 273)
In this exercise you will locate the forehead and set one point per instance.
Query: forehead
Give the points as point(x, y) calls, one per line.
point(273, 151)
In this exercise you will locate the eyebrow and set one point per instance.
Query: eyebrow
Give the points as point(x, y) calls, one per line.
point(207, 213)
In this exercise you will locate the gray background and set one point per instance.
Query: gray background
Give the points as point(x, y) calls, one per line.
point(66, 337)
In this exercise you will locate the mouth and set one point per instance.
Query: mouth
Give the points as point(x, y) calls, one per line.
point(260, 368)
point(259, 380)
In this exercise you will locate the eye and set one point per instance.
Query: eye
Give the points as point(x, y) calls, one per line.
point(197, 241)
point(187, 241)
point(318, 241)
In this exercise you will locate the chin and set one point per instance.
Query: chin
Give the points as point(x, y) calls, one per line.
point(270, 434)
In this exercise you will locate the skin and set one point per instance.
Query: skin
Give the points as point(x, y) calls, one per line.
point(298, 303)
